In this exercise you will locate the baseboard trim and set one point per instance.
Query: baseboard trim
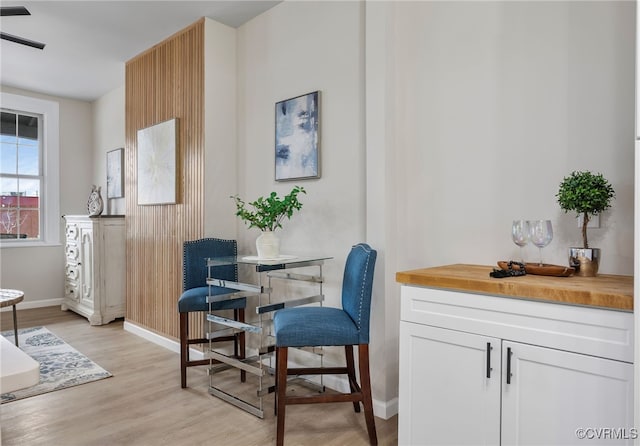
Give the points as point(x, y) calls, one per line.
point(385, 409)
point(29, 304)
point(381, 409)
point(160, 340)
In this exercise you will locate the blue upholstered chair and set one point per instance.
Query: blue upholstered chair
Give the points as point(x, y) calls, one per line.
point(195, 292)
point(324, 326)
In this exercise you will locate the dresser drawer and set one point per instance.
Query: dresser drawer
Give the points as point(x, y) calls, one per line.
point(72, 253)
point(71, 272)
point(71, 290)
point(72, 232)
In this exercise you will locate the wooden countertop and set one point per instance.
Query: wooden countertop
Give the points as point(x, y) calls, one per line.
point(605, 290)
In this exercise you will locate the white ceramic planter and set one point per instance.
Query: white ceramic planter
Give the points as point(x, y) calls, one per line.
point(268, 245)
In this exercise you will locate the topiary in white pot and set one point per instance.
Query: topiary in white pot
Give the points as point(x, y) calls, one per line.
point(587, 194)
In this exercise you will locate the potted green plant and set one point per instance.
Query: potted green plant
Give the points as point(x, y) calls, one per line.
point(267, 214)
point(587, 194)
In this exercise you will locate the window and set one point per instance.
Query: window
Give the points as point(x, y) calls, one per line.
point(29, 178)
point(21, 175)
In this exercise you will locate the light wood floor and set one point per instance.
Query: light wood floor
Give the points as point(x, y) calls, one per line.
point(143, 404)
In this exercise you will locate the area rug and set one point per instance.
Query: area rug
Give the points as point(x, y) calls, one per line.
point(61, 366)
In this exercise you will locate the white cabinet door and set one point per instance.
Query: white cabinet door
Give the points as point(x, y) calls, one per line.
point(445, 396)
point(86, 266)
point(552, 393)
point(113, 270)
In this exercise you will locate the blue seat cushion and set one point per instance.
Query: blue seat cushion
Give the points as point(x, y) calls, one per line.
point(195, 299)
point(314, 326)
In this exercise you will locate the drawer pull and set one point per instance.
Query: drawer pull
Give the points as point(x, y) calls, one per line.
point(72, 252)
point(72, 232)
point(509, 365)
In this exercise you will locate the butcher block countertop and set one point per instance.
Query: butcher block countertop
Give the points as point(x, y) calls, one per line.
point(604, 290)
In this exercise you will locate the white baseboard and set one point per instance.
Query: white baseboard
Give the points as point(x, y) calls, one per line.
point(157, 339)
point(381, 409)
point(385, 409)
point(29, 304)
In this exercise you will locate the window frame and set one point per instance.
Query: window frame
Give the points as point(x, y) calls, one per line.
point(50, 194)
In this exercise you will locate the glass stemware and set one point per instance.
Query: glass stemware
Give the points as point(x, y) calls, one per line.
point(520, 235)
point(541, 234)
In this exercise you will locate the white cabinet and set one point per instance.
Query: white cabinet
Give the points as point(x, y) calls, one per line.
point(552, 393)
point(445, 395)
point(95, 267)
point(479, 369)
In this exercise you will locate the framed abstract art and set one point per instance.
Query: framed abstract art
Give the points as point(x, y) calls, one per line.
point(157, 163)
point(297, 144)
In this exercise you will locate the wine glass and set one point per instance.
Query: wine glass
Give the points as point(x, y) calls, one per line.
point(520, 235)
point(541, 234)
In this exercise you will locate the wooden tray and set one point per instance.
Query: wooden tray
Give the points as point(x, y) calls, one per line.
point(545, 269)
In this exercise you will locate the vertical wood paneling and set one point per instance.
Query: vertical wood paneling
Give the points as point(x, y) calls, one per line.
point(165, 82)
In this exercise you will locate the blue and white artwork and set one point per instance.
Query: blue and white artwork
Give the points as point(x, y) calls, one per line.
point(297, 154)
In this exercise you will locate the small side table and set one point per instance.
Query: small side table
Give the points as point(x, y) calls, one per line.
point(12, 297)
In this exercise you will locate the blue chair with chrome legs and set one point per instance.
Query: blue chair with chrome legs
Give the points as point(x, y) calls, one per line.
point(324, 326)
point(195, 292)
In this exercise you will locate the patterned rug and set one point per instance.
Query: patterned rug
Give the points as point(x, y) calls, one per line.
point(61, 365)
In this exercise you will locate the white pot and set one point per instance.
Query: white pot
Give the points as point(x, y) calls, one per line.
point(268, 245)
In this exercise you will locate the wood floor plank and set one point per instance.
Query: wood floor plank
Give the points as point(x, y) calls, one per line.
point(143, 404)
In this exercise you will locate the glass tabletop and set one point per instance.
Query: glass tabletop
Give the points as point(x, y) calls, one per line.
point(282, 261)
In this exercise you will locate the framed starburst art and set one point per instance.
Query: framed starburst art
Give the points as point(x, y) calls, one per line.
point(157, 163)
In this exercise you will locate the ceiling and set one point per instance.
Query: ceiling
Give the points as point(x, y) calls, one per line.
point(88, 42)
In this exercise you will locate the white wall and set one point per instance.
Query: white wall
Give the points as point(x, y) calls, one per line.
point(19, 266)
point(220, 102)
point(496, 103)
point(475, 112)
point(383, 222)
point(293, 49)
point(108, 134)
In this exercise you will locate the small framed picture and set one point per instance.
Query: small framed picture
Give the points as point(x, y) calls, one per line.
point(297, 145)
point(115, 170)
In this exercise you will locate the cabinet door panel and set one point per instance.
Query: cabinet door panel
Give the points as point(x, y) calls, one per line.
point(86, 265)
point(113, 269)
point(445, 395)
point(553, 393)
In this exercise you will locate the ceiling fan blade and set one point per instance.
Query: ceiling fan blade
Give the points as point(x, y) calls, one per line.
point(20, 40)
point(13, 10)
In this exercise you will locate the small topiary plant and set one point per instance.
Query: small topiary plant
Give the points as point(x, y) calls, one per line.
point(585, 193)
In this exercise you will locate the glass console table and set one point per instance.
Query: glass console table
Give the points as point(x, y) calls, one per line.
point(304, 286)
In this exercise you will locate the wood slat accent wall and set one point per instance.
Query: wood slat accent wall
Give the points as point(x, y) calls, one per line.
point(164, 82)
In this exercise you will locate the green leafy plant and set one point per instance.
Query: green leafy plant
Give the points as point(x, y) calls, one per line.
point(267, 213)
point(585, 193)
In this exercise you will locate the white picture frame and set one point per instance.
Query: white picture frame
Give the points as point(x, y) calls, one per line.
point(157, 146)
point(115, 173)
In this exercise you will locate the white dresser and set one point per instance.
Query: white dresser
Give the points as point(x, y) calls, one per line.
point(95, 267)
point(480, 364)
